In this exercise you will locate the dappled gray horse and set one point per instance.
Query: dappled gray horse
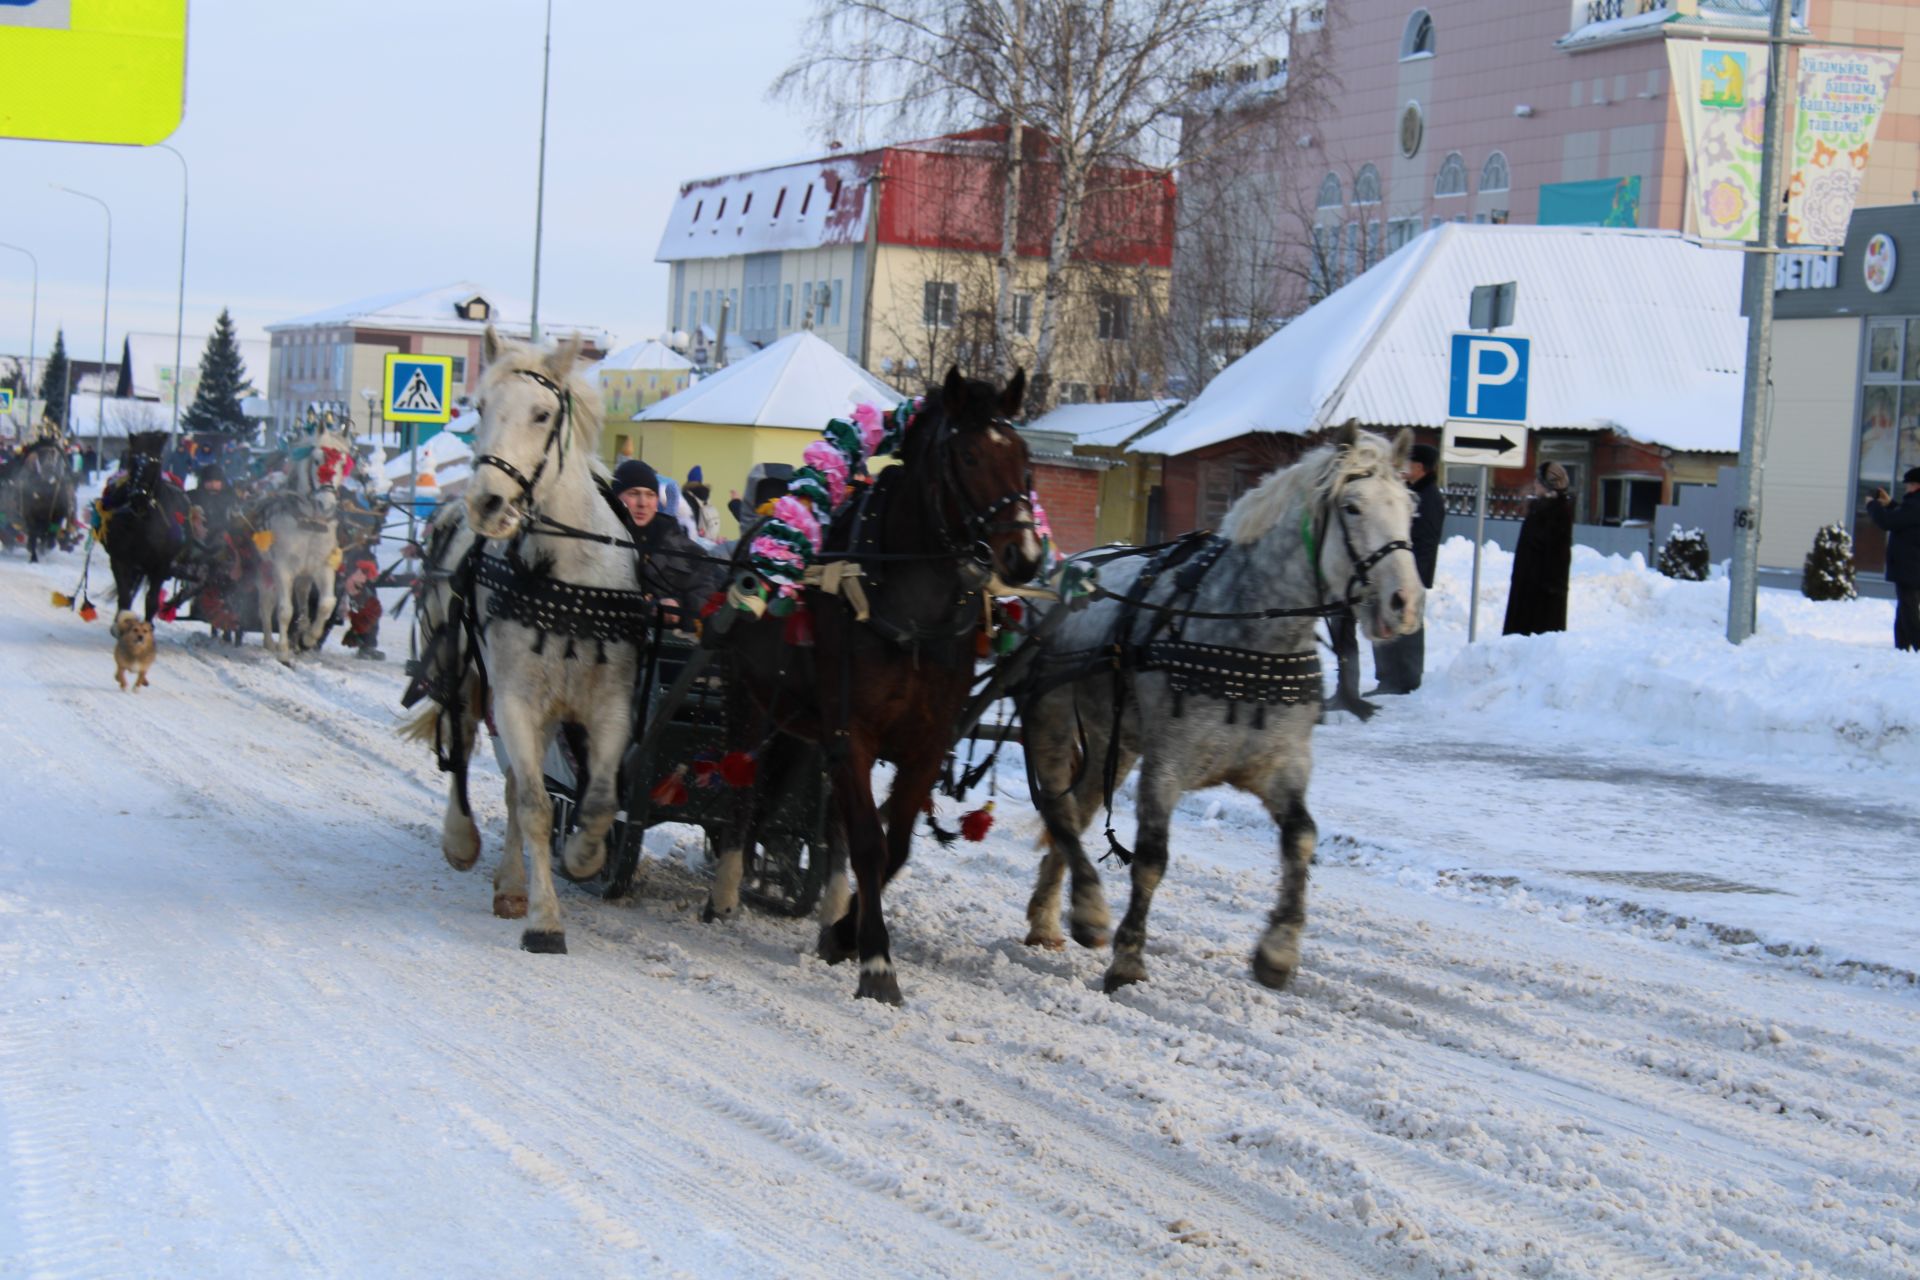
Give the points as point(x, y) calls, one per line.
point(1217, 682)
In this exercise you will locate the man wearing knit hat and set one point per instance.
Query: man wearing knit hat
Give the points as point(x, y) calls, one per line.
point(673, 568)
point(1399, 664)
point(1901, 520)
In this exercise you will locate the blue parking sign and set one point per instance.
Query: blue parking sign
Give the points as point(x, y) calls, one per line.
point(1488, 378)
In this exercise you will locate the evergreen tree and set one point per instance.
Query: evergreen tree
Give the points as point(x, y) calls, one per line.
point(1684, 555)
point(216, 405)
point(53, 381)
point(1828, 571)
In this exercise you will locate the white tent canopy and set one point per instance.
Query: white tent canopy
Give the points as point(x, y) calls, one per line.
point(648, 356)
point(1638, 332)
point(799, 381)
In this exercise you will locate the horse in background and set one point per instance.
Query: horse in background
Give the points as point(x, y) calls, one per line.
point(142, 522)
point(930, 534)
point(1331, 529)
point(36, 493)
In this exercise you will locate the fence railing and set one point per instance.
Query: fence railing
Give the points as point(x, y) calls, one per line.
point(1502, 504)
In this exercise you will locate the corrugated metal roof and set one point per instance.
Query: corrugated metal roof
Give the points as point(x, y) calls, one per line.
point(1106, 425)
point(1634, 331)
point(809, 205)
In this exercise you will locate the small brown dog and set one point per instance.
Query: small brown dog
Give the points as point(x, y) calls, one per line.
point(134, 650)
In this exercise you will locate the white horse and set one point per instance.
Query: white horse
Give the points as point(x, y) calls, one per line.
point(532, 589)
point(300, 560)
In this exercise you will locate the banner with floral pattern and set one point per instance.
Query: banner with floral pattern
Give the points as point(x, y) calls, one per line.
point(1722, 92)
point(1841, 94)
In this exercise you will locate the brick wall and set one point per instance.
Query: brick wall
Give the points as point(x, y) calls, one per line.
point(1071, 496)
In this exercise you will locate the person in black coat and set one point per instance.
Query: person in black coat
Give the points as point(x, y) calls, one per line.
point(1542, 559)
point(674, 571)
point(1901, 520)
point(1400, 663)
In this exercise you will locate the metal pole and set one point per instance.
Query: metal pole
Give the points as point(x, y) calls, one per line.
point(106, 292)
point(1743, 580)
point(180, 301)
point(1479, 536)
point(540, 190)
point(33, 328)
point(413, 493)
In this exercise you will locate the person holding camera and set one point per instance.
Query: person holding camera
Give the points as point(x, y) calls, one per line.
point(1901, 520)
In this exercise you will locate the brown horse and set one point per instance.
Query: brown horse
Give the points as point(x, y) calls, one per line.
point(932, 531)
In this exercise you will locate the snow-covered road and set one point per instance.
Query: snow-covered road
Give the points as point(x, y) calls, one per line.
point(251, 1024)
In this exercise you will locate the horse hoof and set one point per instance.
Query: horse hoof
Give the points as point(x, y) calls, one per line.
point(883, 987)
point(830, 948)
point(586, 870)
point(1092, 937)
point(1048, 941)
point(510, 906)
point(1273, 973)
point(544, 942)
point(1118, 977)
point(711, 914)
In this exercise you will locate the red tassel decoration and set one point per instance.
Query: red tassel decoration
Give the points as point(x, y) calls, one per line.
point(738, 769)
point(1014, 611)
point(168, 614)
point(88, 613)
point(704, 772)
point(799, 628)
point(714, 604)
point(974, 826)
point(670, 790)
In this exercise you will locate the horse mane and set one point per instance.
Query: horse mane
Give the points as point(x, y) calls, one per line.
point(1265, 505)
point(585, 411)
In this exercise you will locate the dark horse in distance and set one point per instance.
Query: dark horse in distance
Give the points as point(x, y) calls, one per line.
point(928, 535)
point(39, 496)
point(143, 522)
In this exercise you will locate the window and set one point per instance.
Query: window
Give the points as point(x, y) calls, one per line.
point(1366, 185)
point(1350, 260)
point(1401, 230)
point(1452, 180)
point(1413, 128)
point(746, 206)
point(706, 307)
point(1116, 317)
point(1376, 241)
point(833, 197)
point(939, 304)
point(1329, 192)
point(1417, 40)
point(1318, 270)
point(459, 370)
point(721, 212)
point(693, 309)
point(806, 198)
point(836, 303)
point(698, 205)
point(1493, 174)
point(1889, 440)
point(786, 306)
point(1022, 313)
point(1628, 499)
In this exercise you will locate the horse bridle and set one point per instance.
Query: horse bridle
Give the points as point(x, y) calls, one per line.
point(1358, 582)
point(557, 433)
point(979, 522)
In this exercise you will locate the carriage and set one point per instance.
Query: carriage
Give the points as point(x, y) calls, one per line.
point(673, 773)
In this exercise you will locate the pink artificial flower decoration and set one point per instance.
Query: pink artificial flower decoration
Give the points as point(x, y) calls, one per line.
point(832, 464)
point(1041, 525)
point(872, 426)
point(800, 516)
point(774, 549)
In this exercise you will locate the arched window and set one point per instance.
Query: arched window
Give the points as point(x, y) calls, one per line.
point(1453, 176)
point(1366, 185)
point(1417, 42)
point(1493, 174)
point(1329, 192)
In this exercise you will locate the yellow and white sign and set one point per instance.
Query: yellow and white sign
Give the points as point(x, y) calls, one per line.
point(419, 388)
point(93, 70)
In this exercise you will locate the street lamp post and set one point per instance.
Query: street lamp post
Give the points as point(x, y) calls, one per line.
point(540, 189)
point(180, 298)
point(106, 292)
point(33, 328)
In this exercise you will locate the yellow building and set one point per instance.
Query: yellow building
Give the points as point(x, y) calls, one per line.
point(634, 378)
point(767, 408)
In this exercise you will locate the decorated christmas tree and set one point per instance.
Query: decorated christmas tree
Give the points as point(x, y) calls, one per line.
point(1684, 555)
point(223, 381)
point(1828, 572)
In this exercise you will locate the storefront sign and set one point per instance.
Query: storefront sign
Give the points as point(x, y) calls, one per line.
point(1841, 94)
point(1721, 90)
point(1878, 263)
point(1806, 271)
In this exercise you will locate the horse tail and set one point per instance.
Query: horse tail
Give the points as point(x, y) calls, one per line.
point(424, 727)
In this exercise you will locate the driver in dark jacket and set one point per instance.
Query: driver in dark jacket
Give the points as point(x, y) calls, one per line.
point(1400, 663)
point(1901, 520)
point(674, 571)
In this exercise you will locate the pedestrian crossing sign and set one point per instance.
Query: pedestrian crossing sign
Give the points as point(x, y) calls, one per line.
point(419, 388)
point(6, 400)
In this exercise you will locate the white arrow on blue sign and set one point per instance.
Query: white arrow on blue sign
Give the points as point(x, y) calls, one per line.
point(1487, 378)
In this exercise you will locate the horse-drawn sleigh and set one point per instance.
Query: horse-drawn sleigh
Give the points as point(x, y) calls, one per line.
point(849, 633)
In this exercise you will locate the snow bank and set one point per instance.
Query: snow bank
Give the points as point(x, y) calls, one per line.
point(1645, 658)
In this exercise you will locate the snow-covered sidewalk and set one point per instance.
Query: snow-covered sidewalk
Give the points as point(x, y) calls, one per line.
point(250, 1023)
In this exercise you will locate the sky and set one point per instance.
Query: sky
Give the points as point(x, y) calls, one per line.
point(356, 147)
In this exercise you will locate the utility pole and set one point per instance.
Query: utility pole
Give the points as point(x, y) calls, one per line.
point(540, 189)
point(33, 338)
point(1756, 404)
point(180, 298)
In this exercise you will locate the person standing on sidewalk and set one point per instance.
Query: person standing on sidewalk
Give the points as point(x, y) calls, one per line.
point(1399, 664)
point(1542, 559)
point(1901, 520)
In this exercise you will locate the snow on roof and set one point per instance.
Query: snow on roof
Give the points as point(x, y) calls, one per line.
point(1638, 332)
point(807, 205)
point(151, 355)
point(799, 381)
point(433, 310)
point(650, 355)
point(1713, 14)
point(1106, 425)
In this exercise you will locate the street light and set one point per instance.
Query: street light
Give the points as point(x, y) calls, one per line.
point(540, 190)
point(33, 327)
point(369, 395)
point(180, 301)
point(106, 291)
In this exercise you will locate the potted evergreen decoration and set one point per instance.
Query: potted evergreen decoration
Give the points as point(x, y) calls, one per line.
point(1828, 572)
point(1684, 555)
